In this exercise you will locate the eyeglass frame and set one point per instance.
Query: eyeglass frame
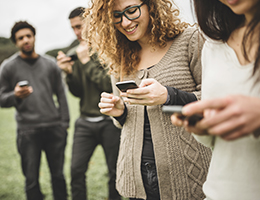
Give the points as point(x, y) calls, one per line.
point(123, 13)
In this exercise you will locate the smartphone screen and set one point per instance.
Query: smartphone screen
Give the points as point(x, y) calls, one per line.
point(125, 85)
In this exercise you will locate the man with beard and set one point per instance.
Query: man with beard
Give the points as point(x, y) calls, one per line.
point(28, 82)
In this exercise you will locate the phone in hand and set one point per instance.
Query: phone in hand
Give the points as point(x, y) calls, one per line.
point(73, 56)
point(23, 83)
point(178, 110)
point(125, 85)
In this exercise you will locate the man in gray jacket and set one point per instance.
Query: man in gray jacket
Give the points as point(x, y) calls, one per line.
point(28, 82)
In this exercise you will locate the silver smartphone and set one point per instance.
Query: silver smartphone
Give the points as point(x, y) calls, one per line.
point(23, 83)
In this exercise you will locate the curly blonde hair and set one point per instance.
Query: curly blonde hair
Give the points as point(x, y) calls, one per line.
point(114, 49)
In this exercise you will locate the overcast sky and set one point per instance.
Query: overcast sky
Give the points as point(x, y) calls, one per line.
point(50, 18)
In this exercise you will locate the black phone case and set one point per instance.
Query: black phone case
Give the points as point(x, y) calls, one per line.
point(124, 86)
point(178, 109)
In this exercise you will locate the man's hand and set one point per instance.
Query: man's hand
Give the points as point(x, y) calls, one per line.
point(22, 92)
point(64, 62)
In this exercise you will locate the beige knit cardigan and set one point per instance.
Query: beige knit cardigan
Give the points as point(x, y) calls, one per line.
point(182, 163)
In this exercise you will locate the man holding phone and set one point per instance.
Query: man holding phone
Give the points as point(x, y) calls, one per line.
point(87, 79)
point(28, 82)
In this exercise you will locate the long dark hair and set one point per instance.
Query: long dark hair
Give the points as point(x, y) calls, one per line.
point(218, 21)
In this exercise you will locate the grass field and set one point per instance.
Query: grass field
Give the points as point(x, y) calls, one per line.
point(11, 177)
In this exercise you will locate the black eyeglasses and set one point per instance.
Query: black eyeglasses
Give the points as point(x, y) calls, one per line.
point(130, 13)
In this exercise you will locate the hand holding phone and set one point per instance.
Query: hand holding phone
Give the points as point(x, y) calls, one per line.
point(22, 89)
point(178, 110)
point(125, 85)
point(73, 56)
point(23, 83)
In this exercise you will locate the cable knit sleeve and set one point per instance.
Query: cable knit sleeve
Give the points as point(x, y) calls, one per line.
point(183, 77)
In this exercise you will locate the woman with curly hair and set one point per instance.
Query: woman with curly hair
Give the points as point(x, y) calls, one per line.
point(145, 41)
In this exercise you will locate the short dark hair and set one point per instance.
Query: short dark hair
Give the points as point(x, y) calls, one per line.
point(21, 25)
point(77, 12)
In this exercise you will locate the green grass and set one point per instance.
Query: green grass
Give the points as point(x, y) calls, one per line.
point(11, 177)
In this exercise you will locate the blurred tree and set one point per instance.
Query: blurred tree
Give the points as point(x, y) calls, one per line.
point(7, 48)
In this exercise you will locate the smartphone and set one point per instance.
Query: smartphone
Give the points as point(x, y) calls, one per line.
point(73, 56)
point(23, 83)
point(125, 85)
point(178, 109)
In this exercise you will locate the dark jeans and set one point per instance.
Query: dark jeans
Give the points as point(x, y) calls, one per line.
point(30, 144)
point(86, 138)
point(150, 181)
